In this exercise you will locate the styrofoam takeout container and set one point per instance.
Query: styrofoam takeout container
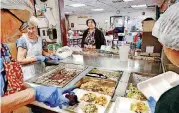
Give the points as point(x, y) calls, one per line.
point(123, 105)
point(157, 85)
point(80, 93)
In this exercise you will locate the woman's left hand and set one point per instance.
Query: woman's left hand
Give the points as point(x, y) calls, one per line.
point(152, 104)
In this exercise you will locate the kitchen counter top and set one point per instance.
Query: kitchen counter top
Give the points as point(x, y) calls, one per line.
point(111, 63)
point(114, 63)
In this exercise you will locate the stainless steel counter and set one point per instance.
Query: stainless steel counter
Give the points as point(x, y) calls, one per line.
point(114, 63)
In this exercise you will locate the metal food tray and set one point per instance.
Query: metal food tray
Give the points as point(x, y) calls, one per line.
point(96, 53)
point(60, 67)
point(117, 82)
point(135, 80)
point(78, 108)
point(111, 71)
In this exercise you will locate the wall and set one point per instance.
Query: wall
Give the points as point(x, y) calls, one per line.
point(79, 23)
point(104, 18)
point(55, 10)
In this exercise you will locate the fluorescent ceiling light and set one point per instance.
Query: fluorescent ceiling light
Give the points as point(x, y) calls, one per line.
point(127, 0)
point(139, 6)
point(97, 9)
point(77, 5)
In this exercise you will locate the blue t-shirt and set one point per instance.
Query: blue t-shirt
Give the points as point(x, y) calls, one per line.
point(139, 44)
point(21, 42)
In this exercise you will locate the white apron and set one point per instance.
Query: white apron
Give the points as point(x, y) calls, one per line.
point(33, 50)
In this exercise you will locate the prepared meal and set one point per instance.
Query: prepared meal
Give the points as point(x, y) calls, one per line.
point(90, 97)
point(139, 107)
point(96, 87)
point(90, 108)
point(106, 73)
point(134, 93)
point(59, 78)
point(73, 99)
point(101, 100)
point(94, 52)
point(103, 86)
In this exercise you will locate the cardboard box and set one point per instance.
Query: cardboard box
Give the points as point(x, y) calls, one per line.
point(149, 40)
point(148, 25)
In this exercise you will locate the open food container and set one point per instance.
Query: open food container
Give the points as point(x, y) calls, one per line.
point(157, 85)
point(126, 105)
point(60, 76)
point(102, 86)
point(89, 101)
point(106, 74)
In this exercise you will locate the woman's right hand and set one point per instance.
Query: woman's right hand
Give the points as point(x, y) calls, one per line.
point(40, 58)
point(52, 96)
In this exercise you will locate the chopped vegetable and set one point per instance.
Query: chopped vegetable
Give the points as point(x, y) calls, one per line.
point(134, 93)
point(88, 97)
point(102, 100)
point(139, 107)
point(90, 108)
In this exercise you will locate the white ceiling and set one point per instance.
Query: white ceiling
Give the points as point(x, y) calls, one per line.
point(107, 5)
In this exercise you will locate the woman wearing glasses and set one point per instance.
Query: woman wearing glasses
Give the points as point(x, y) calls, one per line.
point(14, 92)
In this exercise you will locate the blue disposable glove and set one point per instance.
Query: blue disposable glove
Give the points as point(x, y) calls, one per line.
point(1, 63)
point(53, 57)
point(152, 104)
point(40, 58)
point(52, 96)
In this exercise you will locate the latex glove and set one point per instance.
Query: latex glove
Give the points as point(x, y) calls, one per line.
point(54, 57)
point(1, 63)
point(40, 58)
point(152, 104)
point(52, 96)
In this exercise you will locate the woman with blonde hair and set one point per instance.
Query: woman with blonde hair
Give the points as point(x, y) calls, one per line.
point(14, 92)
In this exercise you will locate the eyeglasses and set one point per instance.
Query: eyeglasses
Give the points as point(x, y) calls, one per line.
point(24, 24)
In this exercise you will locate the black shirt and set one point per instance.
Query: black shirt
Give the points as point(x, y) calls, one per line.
point(98, 36)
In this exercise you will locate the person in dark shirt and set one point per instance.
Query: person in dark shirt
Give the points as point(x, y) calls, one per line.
point(92, 37)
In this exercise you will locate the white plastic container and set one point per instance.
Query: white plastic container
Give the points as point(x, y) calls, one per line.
point(122, 105)
point(124, 52)
point(103, 47)
point(156, 86)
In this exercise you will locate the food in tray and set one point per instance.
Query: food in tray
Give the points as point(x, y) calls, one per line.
point(59, 78)
point(90, 97)
point(147, 58)
point(134, 93)
point(101, 100)
point(106, 73)
point(139, 107)
point(94, 52)
point(90, 108)
point(103, 86)
point(96, 87)
point(73, 99)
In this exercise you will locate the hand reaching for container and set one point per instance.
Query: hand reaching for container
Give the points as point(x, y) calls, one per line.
point(54, 57)
point(52, 96)
point(40, 58)
point(152, 104)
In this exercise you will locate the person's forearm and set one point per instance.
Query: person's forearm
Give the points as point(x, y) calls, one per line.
point(27, 61)
point(44, 53)
point(14, 101)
